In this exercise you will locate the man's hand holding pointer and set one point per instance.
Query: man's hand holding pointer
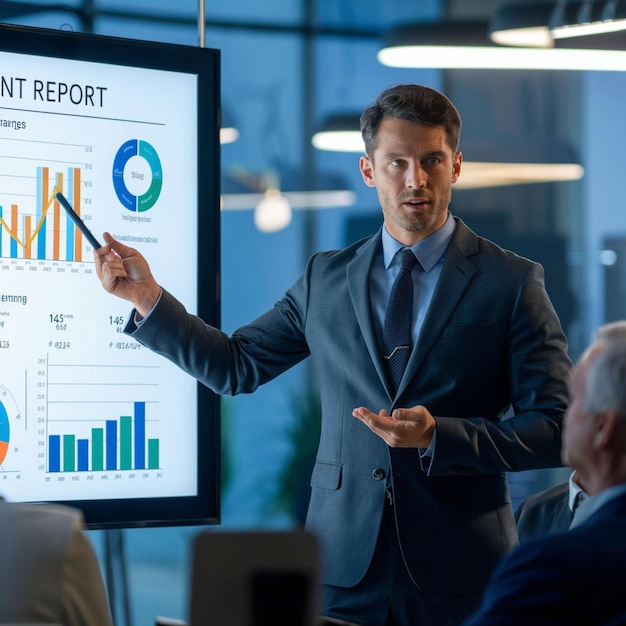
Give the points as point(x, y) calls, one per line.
point(124, 272)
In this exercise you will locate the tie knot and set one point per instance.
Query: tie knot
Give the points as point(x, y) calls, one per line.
point(407, 259)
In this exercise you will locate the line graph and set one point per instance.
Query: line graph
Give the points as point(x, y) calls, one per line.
point(41, 233)
point(32, 222)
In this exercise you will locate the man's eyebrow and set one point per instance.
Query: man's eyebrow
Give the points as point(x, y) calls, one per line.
point(437, 153)
point(426, 155)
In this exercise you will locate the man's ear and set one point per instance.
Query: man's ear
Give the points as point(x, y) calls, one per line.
point(605, 424)
point(456, 166)
point(367, 171)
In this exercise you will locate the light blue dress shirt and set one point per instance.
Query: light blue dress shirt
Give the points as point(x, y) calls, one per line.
point(430, 253)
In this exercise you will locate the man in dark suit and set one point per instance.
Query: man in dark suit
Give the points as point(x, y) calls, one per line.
point(577, 577)
point(410, 499)
point(49, 572)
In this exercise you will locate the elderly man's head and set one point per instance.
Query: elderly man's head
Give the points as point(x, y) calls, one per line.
point(594, 434)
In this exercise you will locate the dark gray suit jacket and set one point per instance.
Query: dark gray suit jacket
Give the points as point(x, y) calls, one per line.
point(544, 513)
point(491, 339)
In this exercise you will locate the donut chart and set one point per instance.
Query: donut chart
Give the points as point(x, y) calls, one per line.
point(137, 175)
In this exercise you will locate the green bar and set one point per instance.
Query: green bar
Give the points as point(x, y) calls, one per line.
point(97, 449)
point(153, 454)
point(69, 453)
point(126, 455)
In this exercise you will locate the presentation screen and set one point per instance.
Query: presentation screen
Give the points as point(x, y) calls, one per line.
point(128, 132)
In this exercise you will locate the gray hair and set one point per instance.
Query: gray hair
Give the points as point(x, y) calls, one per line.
point(611, 331)
point(606, 378)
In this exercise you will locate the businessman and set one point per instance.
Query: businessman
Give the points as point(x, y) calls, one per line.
point(577, 577)
point(49, 572)
point(409, 495)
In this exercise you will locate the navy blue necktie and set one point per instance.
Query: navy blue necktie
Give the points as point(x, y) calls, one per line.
point(398, 327)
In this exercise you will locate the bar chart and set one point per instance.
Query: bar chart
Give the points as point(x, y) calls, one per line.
point(94, 424)
point(120, 444)
point(47, 233)
point(33, 224)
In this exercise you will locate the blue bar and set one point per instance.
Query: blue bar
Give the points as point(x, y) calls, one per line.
point(54, 453)
point(41, 235)
point(111, 444)
point(83, 455)
point(69, 225)
point(41, 240)
point(140, 435)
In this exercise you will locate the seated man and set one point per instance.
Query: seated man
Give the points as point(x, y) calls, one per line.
point(577, 577)
point(552, 510)
point(49, 572)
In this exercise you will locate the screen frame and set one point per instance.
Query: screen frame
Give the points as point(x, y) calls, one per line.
point(204, 507)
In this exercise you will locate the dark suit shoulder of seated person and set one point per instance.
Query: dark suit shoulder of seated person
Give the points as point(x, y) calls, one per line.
point(578, 576)
point(574, 577)
point(544, 513)
point(550, 511)
point(49, 572)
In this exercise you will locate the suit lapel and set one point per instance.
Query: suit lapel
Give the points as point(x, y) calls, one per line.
point(358, 271)
point(562, 515)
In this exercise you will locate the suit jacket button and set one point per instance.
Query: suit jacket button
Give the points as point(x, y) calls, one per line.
point(378, 474)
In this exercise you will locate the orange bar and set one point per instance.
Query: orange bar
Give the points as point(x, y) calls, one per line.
point(27, 234)
point(78, 241)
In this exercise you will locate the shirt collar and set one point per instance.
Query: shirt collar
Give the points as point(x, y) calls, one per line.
point(593, 503)
point(428, 251)
point(574, 490)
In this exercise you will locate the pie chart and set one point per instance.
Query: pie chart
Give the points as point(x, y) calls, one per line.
point(8, 412)
point(137, 175)
point(4, 432)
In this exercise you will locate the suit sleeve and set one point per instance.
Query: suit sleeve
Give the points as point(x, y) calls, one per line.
point(254, 354)
point(536, 367)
